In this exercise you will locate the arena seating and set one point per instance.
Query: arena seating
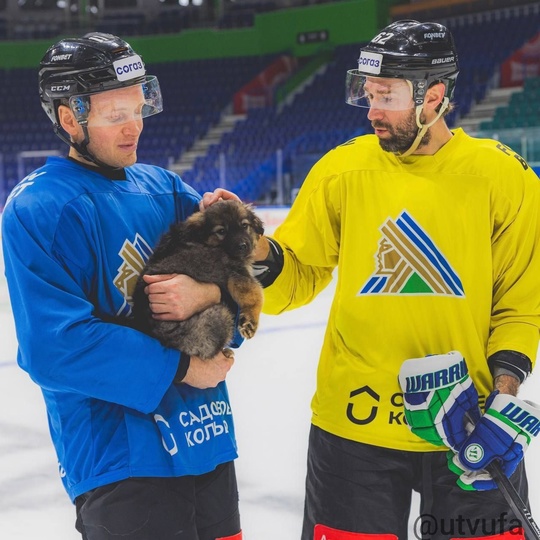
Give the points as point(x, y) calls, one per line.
point(522, 111)
point(318, 118)
point(196, 93)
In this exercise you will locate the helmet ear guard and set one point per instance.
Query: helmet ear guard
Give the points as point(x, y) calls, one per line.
point(80, 106)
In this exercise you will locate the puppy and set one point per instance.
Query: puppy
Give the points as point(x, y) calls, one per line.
point(217, 246)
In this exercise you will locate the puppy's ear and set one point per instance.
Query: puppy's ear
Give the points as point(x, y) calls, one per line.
point(193, 229)
point(256, 223)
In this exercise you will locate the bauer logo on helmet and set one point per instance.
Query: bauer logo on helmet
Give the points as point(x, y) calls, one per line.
point(445, 60)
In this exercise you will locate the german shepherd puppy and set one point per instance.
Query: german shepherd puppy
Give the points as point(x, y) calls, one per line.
point(215, 245)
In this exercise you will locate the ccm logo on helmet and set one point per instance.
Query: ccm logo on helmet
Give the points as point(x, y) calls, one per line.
point(129, 68)
point(61, 88)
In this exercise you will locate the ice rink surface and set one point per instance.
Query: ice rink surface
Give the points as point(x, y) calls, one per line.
point(271, 385)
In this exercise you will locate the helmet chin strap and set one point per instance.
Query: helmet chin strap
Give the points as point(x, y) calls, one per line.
point(422, 128)
point(82, 147)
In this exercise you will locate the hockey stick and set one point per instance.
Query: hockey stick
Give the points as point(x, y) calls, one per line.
point(513, 499)
point(511, 495)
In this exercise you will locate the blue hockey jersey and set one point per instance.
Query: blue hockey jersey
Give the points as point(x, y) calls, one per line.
point(74, 244)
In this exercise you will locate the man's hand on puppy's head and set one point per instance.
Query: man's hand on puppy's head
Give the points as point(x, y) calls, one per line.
point(219, 194)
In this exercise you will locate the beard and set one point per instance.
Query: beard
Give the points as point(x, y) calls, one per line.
point(403, 134)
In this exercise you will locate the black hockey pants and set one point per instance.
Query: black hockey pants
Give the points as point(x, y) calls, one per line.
point(185, 508)
point(367, 489)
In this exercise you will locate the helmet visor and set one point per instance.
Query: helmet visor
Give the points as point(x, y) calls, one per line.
point(367, 91)
point(119, 106)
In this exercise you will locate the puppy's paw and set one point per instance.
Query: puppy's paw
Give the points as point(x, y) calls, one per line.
point(229, 353)
point(247, 326)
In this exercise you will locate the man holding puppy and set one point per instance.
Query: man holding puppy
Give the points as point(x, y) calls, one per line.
point(144, 434)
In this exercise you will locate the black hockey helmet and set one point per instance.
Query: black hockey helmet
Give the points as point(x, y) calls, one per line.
point(422, 53)
point(94, 63)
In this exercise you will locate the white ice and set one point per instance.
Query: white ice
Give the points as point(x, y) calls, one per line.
point(271, 386)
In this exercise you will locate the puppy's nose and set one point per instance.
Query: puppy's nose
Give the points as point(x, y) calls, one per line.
point(243, 247)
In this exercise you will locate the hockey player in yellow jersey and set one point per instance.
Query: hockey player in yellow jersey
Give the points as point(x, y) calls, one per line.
point(435, 236)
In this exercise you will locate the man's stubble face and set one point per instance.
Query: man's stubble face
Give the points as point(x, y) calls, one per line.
point(402, 133)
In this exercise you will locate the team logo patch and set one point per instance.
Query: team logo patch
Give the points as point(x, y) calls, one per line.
point(409, 262)
point(474, 453)
point(134, 255)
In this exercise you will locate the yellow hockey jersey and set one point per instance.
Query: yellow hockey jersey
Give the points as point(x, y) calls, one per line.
point(433, 254)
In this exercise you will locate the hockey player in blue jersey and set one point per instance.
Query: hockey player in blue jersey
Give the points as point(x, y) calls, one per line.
point(144, 434)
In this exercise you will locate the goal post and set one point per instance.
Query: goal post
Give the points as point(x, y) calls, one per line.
point(26, 155)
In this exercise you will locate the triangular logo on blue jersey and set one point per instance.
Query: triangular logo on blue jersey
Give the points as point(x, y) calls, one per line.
point(134, 255)
point(409, 262)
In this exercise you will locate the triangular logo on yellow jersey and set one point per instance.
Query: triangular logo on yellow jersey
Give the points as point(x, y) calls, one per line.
point(409, 262)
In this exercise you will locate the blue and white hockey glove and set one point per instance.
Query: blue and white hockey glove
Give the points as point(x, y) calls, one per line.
point(503, 433)
point(438, 392)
